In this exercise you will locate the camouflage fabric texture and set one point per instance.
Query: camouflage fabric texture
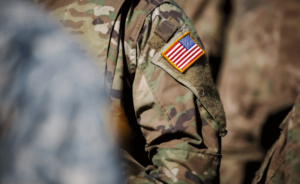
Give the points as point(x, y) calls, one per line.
point(259, 77)
point(180, 116)
point(282, 162)
point(50, 127)
point(251, 82)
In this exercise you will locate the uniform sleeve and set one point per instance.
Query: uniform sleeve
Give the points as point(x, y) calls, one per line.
point(182, 137)
point(292, 171)
point(281, 164)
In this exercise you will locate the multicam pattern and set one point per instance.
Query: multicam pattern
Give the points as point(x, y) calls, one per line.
point(282, 162)
point(251, 81)
point(181, 123)
point(259, 78)
point(174, 111)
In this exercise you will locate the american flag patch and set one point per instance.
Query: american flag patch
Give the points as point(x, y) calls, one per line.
point(183, 52)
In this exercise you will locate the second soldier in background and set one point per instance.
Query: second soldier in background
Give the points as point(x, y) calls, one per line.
point(259, 78)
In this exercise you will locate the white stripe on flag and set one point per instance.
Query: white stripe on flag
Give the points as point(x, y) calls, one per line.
point(192, 58)
point(171, 51)
point(175, 53)
point(178, 55)
point(188, 51)
point(190, 54)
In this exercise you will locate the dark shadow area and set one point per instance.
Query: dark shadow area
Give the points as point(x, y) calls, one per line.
point(227, 8)
point(271, 131)
point(250, 171)
point(215, 63)
point(138, 141)
point(137, 150)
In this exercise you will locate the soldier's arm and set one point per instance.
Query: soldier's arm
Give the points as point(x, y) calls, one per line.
point(292, 171)
point(180, 114)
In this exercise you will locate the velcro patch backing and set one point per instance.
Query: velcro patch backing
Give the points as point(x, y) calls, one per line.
point(161, 35)
point(166, 30)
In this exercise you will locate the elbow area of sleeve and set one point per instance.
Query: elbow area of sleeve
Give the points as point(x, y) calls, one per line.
point(183, 166)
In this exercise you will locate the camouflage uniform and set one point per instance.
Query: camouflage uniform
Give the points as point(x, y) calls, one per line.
point(50, 127)
point(180, 115)
point(282, 162)
point(259, 77)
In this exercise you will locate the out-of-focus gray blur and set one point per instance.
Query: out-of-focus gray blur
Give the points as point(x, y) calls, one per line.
point(50, 97)
point(253, 50)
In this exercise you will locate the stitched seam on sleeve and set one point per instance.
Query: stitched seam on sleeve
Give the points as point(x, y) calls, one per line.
point(205, 153)
point(158, 104)
point(169, 24)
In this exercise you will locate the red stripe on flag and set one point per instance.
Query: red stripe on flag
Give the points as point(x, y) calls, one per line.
point(175, 60)
point(171, 49)
point(193, 58)
point(180, 59)
point(196, 50)
point(190, 51)
point(177, 53)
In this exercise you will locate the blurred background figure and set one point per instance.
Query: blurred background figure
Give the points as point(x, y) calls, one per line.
point(259, 81)
point(255, 42)
point(51, 130)
point(281, 164)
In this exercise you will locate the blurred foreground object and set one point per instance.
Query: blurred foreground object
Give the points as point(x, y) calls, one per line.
point(120, 127)
point(282, 162)
point(50, 127)
point(260, 77)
